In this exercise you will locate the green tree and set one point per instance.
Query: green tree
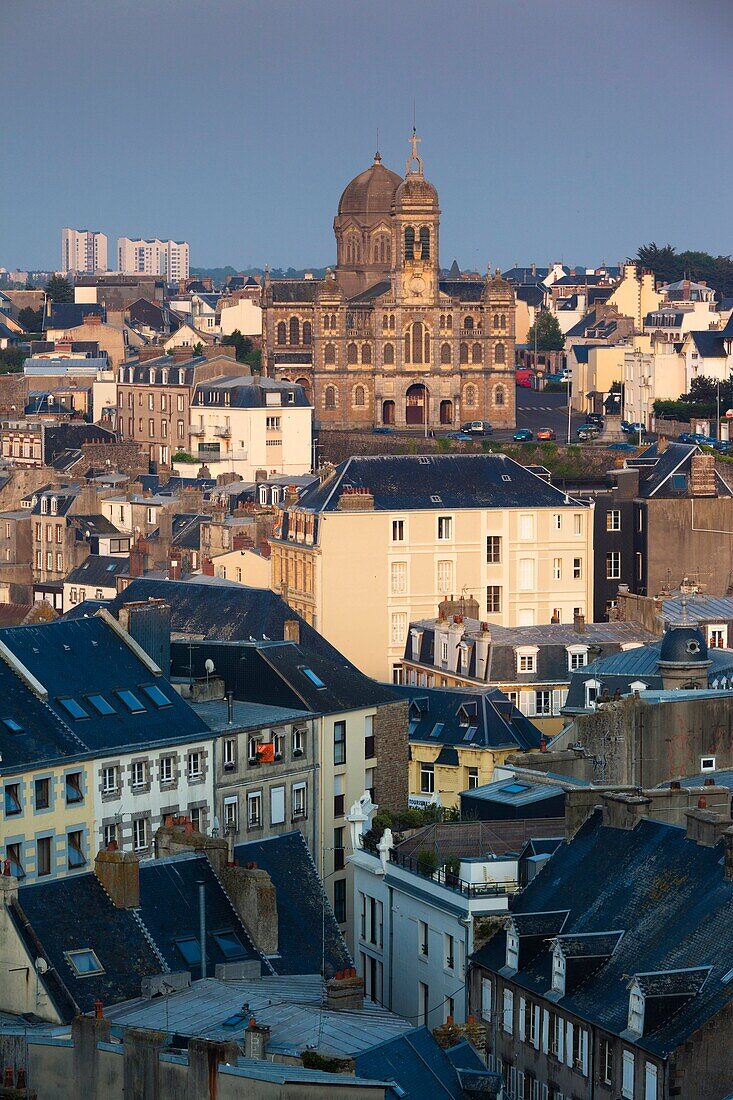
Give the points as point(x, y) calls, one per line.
point(59, 289)
point(246, 351)
point(549, 333)
point(669, 266)
point(31, 319)
point(11, 360)
point(197, 349)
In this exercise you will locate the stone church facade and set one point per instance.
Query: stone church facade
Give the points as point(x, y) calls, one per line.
point(384, 339)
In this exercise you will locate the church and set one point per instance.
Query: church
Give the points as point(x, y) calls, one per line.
point(384, 339)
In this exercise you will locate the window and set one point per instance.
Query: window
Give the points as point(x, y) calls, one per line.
point(369, 746)
point(190, 949)
point(613, 519)
point(398, 530)
point(613, 565)
point(650, 1081)
point(138, 774)
point(526, 662)
point(277, 805)
point(229, 944)
point(423, 944)
point(272, 423)
point(101, 705)
point(84, 962)
point(167, 774)
point(508, 1013)
point(557, 569)
point(43, 856)
point(445, 528)
point(339, 900)
point(230, 754)
point(399, 577)
point(110, 834)
point(329, 399)
point(577, 524)
point(73, 788)
point(399, 627)
point(449, 949)
point(577, 569)
point(445, 577)
point(42, 793)
point(526, 575)
point(493, 599)
point(300, 808)
point(110, 780)
point(543, 703)
point(627, 1075)
point(606, 1061)
point(156, 696)
point(472, 778)
point(194, 766)
point(577, 658)
point(486, 999)
point(493, 549)
point(14, 856)
point(298, 740)
point(339, 742)
point(427, 778)
point(707, 764)
point(424, 1003)
point(74, 709)
point(388, 355)
point(526, 527)
point(131, 701)
point(75, 850)
point(12, 799)
point(254, 809)
point(338, 849)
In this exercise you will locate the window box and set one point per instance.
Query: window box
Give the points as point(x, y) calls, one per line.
point(297, 752)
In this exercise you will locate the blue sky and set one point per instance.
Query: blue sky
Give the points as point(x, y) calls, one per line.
point(553, 129)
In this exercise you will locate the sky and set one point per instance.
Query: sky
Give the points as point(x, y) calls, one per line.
point(572, 130)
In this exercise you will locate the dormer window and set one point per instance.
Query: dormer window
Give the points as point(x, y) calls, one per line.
point(415, 639)
point(54, 505)
point(636, 1011)
point(151, 376)
point(577, 657)
point(592, 691)
point(526, 657)
point(512, 949)
point(558, 971)
point(164, 378)
point(44, 505)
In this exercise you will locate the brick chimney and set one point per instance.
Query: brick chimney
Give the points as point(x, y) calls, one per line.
point(702, 476)
point(181, 354)
point(706, 827)
point(356, 500)
point(92, 319)
point(149, 351)
point(291, 631)
point(119, 874)
point(138, 557)
point(345, 991)
point(254, 898)
point(579, 623)
point(207, 567)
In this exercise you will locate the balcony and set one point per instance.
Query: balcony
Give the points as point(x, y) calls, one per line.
point(223, 431)
point(472, 891)
point(197, 429)
point(472, 333)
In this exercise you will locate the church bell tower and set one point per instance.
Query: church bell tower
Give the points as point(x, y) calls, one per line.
point(416, 223)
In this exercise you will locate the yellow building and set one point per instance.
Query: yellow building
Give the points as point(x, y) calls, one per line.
point(382, 540)
point(635, 295)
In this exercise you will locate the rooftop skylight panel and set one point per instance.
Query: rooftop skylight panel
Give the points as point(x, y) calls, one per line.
point(470, 733)
point(437, 729)
point(84, 962)
point(76, 710)
point(131, 701)
point(101, 705)
point(190, 949)
point(12, 725)
point(313, 678)
point(156, 696)
point(229, 944)
point(515, 788)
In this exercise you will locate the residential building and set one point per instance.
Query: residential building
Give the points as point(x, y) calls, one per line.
point(532, 665)
point(385, 339)
point(457, 738)
point(116, 293)
point(635, 295)
point(388, 537)
point(36, 442)
point(72, 323)
point(712, 614)
point(83, 251)
point(241, 313)
point(243, 425)
point(170, 259)
point(95, 578)
point(581, 997)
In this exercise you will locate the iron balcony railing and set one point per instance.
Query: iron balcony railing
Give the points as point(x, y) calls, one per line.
point(446, 878)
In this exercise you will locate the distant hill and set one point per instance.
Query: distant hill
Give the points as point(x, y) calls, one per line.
point(219, 274)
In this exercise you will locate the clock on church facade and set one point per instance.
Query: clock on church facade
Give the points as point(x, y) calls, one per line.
point(385, 339)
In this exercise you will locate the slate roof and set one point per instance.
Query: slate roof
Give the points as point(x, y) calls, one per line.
point(98, 571)
point(421, 1068)
point(589, 945)
point(532, 295)
point(308, 935)
point(71, 314)
point(469, 719)
point(295, 290)
point(582, 351)
point(465, 290)
point(408, 482)
point(246, 392)
point(276, 673)
point(698, 607)
point(93, 525)
point(665, 892)
point(374, 291)
point(709, 344)
point(516, 792)
point(546, 922)
point(656, 469)
point(70, 436)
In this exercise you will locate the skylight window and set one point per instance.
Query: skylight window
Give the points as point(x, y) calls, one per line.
point(131, 701)
point(84, 962)
point(190, 949)
point(229, 944)
point(76, 710)
point(470, 733)
point(12, 725)
point(515, 788)
point(156, 696)
point(101, 705)
point(313, 678)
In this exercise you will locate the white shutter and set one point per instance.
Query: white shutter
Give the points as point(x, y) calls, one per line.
point(627, 1081)
point(536, 1011)
point(513, 1082)
point(277, 805)
point(545, 1092)
point(560, 1039)
point(485, 999)
point(584, 1051)
point(556, 701)
point(520, 1085)
point(508, 1011)
point(569, 1044)
point(529, 704)
point(521, 1019)
point(650, 1081)
point(545, 1031)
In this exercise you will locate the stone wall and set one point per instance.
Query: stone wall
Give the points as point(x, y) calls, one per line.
point(125, 457)
point(392, 752)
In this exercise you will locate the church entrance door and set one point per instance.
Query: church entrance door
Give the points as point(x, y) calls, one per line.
point(446, 412)
point(416, 404)
point(388, 412)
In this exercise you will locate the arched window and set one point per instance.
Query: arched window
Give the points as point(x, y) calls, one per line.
point(500, 354)
point(424, 243)
point(476, 354)
point(442, 320)
point(499, 395)
point(305, 384)
point(366, 353)
point(469, 397)
point(329, 354)
point(464, 353)
point(329, 397)
point(496, 320)
point(391, 321)
point(351, 354)
point(326, 321)
point(445, 354)
point(407, 346)
point(388, 354)
point(281, 333)
point(449, 320)
point(503, 320)
point(468, 322)
point(359, 396)
point(385, 321)
point(333, 320)
point(417, 348)
point(294, 330)
point(409, 243)
point(307, 333)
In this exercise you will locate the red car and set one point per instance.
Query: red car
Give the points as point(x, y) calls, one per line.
point(524, 378)
point(546, 433)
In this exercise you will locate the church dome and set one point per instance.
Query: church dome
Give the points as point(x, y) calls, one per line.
point(683, 645)
point(370, 194)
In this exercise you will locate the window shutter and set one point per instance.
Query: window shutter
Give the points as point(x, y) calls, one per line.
point(584, 1051)
point(569, 1045)
point(486, 999)
point(521, 1019)
point(560, 1041)
point(650, 1081)
point(513, 1081)
point(536, 1011)
point(556, 701)
point(545, 1031)
point(545, 1092)
point(531, 703)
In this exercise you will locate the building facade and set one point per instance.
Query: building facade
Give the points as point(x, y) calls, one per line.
point(153, 257)
point(83, 251)
point(385, 339)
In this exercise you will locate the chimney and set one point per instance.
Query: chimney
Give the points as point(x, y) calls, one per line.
point(174, 566)
point(148, 622)
point(662, 444)
point(256, 1038)
point(291, 631)
point(149, 351)
point(138, 558)
point(706, 827)
point(728, 857)
point(119, 874)
point(579, 623)
point(702, 476)
point(355, 499)
point(254, 898)
point(207, 567)
point(92, 319)
point(345, 991)
point(181, 355)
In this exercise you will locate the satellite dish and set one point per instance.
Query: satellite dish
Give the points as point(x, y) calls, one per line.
point(41, 966)
point(209, 665)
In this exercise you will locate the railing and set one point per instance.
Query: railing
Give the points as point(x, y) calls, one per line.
point(197, 429)
point(360, 332)
point(472, 332)
point(223, 430)
point(445, 878)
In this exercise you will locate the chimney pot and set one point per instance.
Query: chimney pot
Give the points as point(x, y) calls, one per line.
point(702, 802)
point(709, 782)
point(543, 744)
point(98, 1010)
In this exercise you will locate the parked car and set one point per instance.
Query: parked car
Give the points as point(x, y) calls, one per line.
point(625, 425)
point(723, 446)
point(626, 447)
point(523, 435)
point(546, 433)
point(636, 428)
point(462, 437)
point(595, 418)
point(685, 437)
point(382, 431)
point(477, 427)
point(588, 431)
point(523, 378)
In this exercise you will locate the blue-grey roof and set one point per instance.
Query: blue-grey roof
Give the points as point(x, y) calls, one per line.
point(709, 344)
point(407, 482)
point(581, 351)
point(482, 719)
point(98, 571)
point(71, 314)
point(308, 936)
point(722, 778)
point(421, 1068)
point(516, 792)
point(668, 896)
point(247, 392)
point(699, 608)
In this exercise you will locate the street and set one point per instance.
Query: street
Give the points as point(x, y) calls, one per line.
point(536, 410)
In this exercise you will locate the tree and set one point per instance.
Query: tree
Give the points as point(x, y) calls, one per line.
point(59, 289)
point(246, 351)
point(31, 319)
point(549, 333)
point(669, 266)
point(197, 349)
point(11, 360)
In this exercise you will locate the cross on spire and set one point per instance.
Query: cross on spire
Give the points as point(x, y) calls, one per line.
point(414, 155)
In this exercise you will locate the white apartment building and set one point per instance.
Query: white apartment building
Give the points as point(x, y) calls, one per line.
point(83, 251)
point(169, 259)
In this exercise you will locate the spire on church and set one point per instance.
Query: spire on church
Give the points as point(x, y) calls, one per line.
point(414, 156)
